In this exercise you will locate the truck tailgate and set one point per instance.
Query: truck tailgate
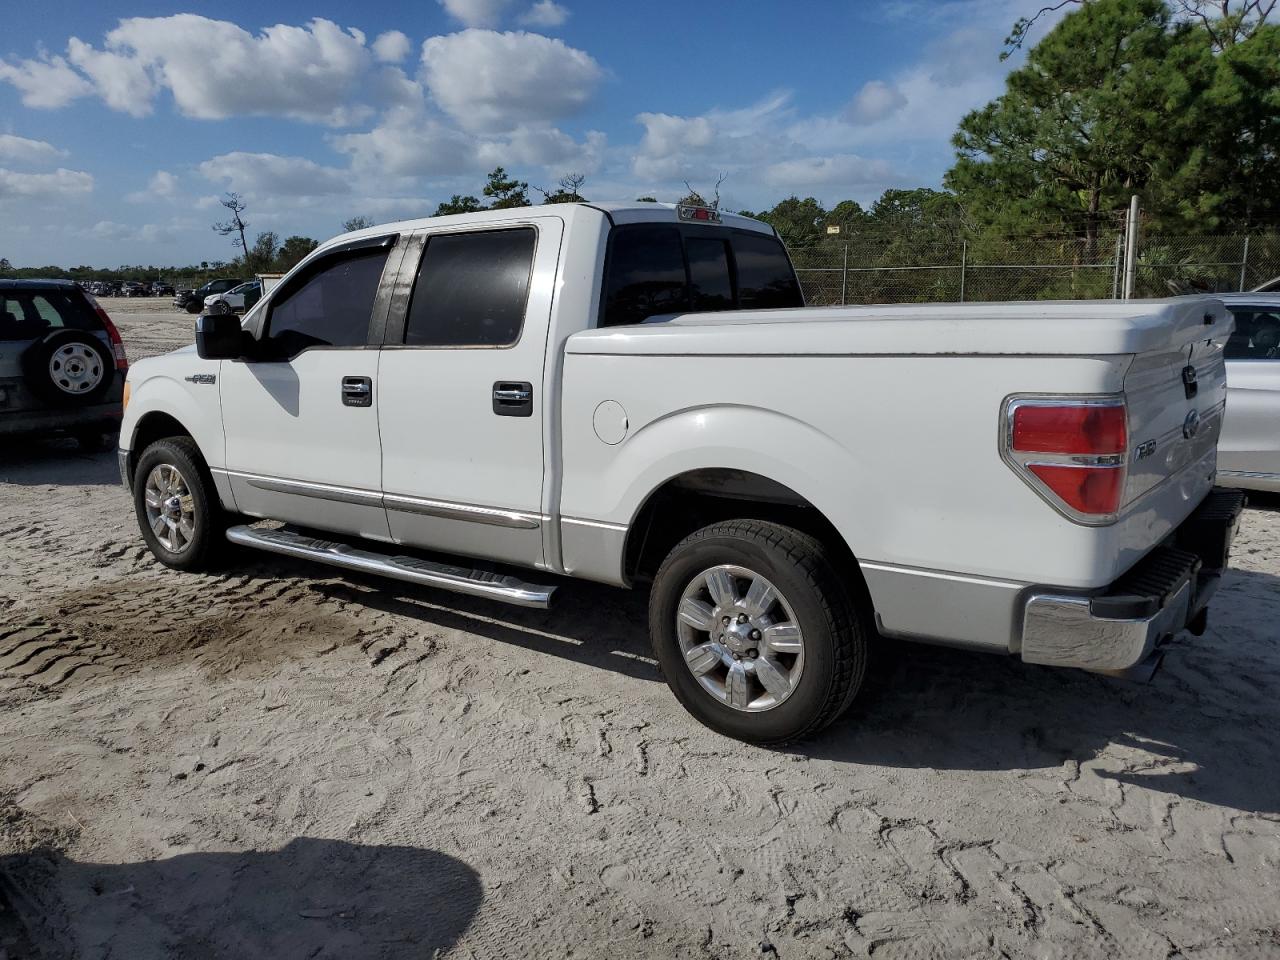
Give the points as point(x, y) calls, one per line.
point(1176, 395)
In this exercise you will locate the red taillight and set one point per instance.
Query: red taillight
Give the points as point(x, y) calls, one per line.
point(117, 345)
point(1072, 451)
point(1091, 490)
point(1085, 429)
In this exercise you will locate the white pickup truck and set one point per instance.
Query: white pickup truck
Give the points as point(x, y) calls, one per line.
point(633, 394)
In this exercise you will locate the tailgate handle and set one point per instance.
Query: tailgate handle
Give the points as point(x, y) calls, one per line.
point(1189, 384)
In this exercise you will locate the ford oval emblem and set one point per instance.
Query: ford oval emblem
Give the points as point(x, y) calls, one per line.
point(1191, 425)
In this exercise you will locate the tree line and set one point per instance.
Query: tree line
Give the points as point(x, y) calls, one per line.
point(1177, 101)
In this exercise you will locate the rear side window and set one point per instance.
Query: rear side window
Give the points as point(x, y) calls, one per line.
point(654, 269)
point(330, 308)
point(28, 315)
point(1256, 336)
point(472, 289)
point(765, 277)
point(646, 275)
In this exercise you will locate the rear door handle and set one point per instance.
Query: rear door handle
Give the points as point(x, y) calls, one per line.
point(357, 391)
point(513, 398)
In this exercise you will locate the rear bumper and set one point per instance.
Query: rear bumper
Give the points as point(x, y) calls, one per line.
point(1119, 630)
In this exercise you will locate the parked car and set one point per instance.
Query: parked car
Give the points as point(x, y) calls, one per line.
point(236, 300)
point(134, 288)
point(630, 394)
point(193, 302)
point(160, 288)
point(1249, 451)
point(62, 363)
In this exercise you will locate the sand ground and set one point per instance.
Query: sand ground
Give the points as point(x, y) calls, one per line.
point(277, 762)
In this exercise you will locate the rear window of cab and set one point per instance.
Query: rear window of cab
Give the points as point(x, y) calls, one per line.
point(659, 268)
point(30, 314)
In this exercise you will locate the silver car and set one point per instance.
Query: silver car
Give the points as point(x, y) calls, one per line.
point(1249, 450)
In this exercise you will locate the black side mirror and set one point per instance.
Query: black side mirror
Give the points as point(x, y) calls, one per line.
point(219, 337)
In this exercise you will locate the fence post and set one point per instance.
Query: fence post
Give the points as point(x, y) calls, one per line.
point(1131, 248)
point(964, 260)
point(844, 277)
point(1244, 260)
point(1115, 267)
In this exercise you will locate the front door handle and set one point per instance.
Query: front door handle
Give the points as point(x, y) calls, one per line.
point(513, 398)
point(357, 391)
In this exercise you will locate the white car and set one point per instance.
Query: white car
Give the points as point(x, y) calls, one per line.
point(1249, 451)
point(632, 394)
point(236, 300)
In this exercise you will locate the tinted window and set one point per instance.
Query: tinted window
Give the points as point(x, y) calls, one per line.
point(765, 278)
point(331, 307)
point(645, 275)
point(29, 315)
point(472, 289)
point(710, 287)
point(1257, 334)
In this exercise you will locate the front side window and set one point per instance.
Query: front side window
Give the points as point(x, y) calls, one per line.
point(328, 307)
point(1256, 336)
point(472, 289)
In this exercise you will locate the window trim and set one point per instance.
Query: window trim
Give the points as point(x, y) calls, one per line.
point(307, 270)
point(397, 328)
point(686, 230)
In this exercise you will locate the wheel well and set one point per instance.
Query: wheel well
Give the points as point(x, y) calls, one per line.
point(695, 499)
point(153, 427)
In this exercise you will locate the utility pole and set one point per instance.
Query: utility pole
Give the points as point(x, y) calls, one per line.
point(1131, 248)
point(1244, 260)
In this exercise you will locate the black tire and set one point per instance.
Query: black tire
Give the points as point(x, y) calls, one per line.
point(205, 544)
point(41, 380)
point(194, 306)
point(837, 635)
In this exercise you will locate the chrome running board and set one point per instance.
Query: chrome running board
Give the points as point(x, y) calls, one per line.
point(427, 573)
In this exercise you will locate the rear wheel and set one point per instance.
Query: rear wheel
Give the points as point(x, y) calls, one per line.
point(755, 632)
point(177, 506)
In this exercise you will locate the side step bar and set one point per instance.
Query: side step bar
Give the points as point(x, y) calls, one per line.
point(427, 573)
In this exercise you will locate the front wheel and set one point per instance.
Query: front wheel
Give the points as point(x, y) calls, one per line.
point(177, 506)
point(756, 633)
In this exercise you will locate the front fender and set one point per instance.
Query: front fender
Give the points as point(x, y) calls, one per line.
point(183, 387)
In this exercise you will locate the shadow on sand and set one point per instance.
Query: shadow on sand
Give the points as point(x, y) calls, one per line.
point(311, 899)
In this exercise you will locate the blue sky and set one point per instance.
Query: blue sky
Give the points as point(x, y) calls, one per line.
point(122, 124)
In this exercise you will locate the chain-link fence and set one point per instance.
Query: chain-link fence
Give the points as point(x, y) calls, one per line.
point(895, 269)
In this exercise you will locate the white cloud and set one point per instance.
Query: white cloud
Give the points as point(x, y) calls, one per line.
point(267, 175)
point(27, 151)
point(545, 13)
point(545, 147)
point(60, 183)
point(675, 148)
point(121, 79)
point(215, 69)
point(391, 47)
point(408, 144)
point(493, 82)
point(476, 13)
point(46, 83)
point(163, 185)
point(875, 101)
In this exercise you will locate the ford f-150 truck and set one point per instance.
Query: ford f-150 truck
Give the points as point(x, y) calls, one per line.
point(634, 394)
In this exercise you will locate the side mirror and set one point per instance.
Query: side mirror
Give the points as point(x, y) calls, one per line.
point(219, 337)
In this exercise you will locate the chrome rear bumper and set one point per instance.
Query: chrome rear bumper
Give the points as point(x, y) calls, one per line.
point(1119, 630)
